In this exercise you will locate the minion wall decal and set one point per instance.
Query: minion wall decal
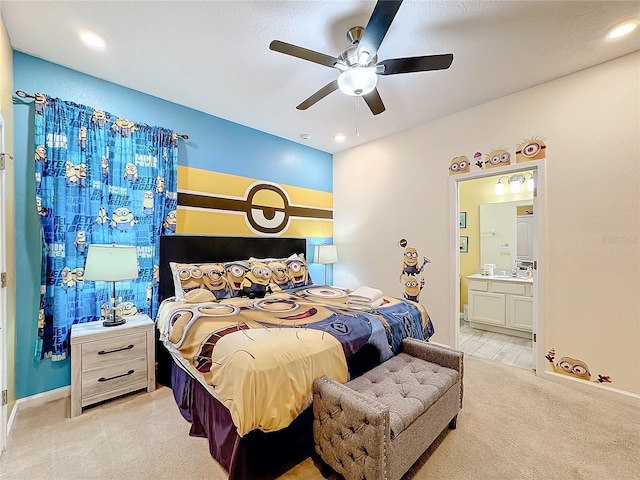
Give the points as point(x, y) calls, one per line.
point(410, 271)
point(498, 157)
point(412, 287)
point(574, 368)
point(460, 164)
point(532, 149)
point(527, 150)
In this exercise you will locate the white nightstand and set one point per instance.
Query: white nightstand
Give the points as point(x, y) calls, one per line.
point(110, 361)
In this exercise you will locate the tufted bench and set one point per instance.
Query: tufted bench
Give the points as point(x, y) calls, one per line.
point(377, 425)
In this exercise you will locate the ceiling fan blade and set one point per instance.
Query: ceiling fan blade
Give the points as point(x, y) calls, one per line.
point(416, 64)
point(379, 23)
point(303, 53)
point(374, 102)
point(319, 95)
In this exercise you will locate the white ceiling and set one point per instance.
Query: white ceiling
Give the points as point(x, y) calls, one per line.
point(214, 56)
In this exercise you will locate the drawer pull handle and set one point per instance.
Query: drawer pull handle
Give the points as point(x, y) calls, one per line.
point(106, 352)
point(102, 379)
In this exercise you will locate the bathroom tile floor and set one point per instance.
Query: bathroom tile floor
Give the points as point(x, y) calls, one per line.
point(497, 347)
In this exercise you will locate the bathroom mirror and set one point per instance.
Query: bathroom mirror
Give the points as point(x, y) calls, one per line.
point(506, 230)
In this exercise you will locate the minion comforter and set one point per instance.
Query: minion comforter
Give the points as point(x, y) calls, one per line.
point(259, 357)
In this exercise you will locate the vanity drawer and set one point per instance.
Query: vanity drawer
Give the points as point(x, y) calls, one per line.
point(113, 350)
point(479, 285)
point(512, 288)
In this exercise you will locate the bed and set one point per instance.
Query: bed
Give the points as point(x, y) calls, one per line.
point(241, 364)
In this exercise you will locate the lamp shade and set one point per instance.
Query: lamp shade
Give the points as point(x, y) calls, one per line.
point(111, 263)
point(326, 254)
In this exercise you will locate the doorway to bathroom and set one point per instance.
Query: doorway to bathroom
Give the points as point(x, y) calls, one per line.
point(500, 265)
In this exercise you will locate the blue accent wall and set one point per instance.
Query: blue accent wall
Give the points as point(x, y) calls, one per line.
point(214, 144)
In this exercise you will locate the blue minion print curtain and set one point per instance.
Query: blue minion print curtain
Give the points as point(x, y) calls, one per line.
point(99, 179)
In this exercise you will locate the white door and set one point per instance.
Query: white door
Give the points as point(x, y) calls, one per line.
point(3, 297)
point(524, 225)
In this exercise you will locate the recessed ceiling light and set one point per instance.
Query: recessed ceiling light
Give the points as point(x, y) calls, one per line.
point(340, 137)
point(93, 39)
point(622, 30)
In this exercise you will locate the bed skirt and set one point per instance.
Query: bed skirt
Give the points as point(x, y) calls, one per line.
point(257, 455)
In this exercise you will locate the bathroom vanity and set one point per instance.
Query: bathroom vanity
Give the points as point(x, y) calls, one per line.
point(501, 304)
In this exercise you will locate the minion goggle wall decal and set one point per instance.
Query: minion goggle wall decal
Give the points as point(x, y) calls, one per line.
point(266, 207)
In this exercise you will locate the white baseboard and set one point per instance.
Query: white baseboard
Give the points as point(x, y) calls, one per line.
point(35, 401)
point(594, 387)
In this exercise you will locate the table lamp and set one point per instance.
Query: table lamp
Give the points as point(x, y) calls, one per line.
point(111, 263)
point(326, 254)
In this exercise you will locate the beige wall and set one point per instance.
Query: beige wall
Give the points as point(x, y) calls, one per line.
point(6, 109)
point(398, 187)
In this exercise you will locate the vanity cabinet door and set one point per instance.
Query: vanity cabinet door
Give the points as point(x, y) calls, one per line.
point(520, 312)
point(487, 307)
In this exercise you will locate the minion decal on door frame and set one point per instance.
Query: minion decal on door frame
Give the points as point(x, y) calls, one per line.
point(527, 150)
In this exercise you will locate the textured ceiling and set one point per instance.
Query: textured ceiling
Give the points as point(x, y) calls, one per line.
point(221, 63)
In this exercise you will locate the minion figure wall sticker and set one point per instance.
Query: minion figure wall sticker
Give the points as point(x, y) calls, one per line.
point(532, 149)
point(412, 287)
point(498, 157)
point(410, 271)
point(574, 368)
point(460, 164)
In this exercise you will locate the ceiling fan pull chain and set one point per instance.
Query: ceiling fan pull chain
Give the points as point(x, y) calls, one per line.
point(357, 115)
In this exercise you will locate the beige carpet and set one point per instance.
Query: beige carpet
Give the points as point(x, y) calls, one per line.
point(513, 426)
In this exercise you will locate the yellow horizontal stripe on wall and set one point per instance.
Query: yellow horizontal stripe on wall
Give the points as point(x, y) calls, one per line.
point(197, 221)
point(211, 222)
point(226, 185)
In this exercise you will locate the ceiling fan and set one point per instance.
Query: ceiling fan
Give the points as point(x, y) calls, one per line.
point(358, 64)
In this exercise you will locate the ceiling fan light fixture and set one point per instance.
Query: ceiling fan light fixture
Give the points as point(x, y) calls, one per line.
point(357, 81)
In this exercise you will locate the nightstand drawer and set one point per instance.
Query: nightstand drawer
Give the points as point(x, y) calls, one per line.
point(113, 377)
point(118, 349)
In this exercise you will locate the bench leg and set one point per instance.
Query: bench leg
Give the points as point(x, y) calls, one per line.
point(453, 422)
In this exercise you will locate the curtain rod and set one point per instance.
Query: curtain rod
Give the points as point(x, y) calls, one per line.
point(23, 94)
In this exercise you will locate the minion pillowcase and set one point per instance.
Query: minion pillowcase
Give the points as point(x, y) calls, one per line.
point(192, 282)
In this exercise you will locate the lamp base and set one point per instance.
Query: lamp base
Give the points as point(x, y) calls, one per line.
point(114, 322)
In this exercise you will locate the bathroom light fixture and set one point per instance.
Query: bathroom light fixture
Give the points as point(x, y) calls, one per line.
point(340, 137)
point(93, 39)
point(499, 186)
point(623, 29)
point(531, 183)
point(357, 81)
point(514, 182)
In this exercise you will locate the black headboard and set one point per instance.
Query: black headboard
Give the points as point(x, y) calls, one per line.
point(216, 249)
